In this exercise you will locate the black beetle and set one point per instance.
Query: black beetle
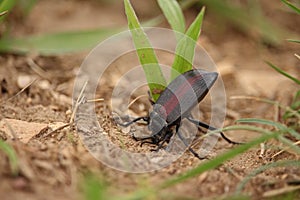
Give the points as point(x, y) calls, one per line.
point(174, 104)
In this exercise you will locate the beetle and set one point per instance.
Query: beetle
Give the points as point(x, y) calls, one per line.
point(174, 104)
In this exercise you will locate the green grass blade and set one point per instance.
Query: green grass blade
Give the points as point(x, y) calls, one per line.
point(293, 40)
point(174, 15)
point(283, 73)
point(295, 8)
point(146, 54)
point(296, 101)
point(159, 19)
point(13, 159)
point(282, 128)
point(195, 28)
point(185, 49)
point(58, 43)
point(289, 143)
point(93, 188)
point(242, 184)
point(6, 5)
point(222, 158)
point(271, 102)
point(279, 126)
point(153, 21)
point(245, 21)
point(262, 121)
point(3, 13)
point(188, 3)
point(208, 165)
point(140, 193)
point(27, 5)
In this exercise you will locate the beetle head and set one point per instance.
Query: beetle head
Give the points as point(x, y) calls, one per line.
point(156, 123)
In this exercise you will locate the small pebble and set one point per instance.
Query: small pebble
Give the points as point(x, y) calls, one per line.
point(68, 112)
point(44, 84)
point(24, 80)
point(60, 136)
point(43, 147)
point(20, 183)
point(226, 188)
point(284, 176)
point(29, 100)
point(213, 188)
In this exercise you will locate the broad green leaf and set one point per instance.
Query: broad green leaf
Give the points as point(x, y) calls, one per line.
point(284, 73)
point(185, 49)
point(174, 15)
point(52, 44)
point(145, 53)
point(295, 8)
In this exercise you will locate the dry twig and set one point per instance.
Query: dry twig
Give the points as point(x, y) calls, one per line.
point(22, 90)
point(37, 69)
point(283, 150)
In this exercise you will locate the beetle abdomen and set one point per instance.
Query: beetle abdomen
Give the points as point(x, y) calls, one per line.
point(185, 92)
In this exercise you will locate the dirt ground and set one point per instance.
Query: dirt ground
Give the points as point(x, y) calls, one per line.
point(52, 165)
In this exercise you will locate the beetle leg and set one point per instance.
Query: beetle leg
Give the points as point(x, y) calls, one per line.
point(160, 145)
point(146, 142)
point(185, 143)
point(159, 141)
point(202, 124)
point(143, 138)
point(146, 119)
